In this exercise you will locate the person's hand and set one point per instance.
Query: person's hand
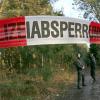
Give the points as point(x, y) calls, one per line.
point(83, 67)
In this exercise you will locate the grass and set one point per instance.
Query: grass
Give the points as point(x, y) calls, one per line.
point(32, 86)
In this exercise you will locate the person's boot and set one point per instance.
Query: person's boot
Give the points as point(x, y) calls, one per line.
point(79, 87)
point(83, 84)
point(94, 80)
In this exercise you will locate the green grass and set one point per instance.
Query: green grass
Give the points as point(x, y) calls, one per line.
point(33, 85)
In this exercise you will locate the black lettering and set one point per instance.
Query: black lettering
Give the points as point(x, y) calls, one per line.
point(90, 32)
point(35, 30)
point(63, 27)
point(54, 33)
point(85, 30)
point(78, 29)
point(45, 29)
point(28, 29)
point(70, 28)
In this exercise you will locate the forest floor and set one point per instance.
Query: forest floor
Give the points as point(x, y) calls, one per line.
point(90, 92)
point(62, 86)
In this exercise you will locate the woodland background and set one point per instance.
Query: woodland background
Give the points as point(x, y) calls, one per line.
point(39, 72)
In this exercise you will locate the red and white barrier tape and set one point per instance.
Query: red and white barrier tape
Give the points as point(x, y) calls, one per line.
point(38, 30)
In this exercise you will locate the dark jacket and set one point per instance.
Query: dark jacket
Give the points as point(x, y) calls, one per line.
point(92, 61)
point(79, 64)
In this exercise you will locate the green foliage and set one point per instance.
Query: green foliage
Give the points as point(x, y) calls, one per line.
point(33, 72)
point(21, 58)
point(91, 8)
point(33, 61)
point(58, 13)
point(11, 8)
point(37, 58)
point(95, 49)
point(46, 73)
point(18, 91)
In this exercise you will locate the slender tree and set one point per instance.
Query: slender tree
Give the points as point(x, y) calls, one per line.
point(91, 10)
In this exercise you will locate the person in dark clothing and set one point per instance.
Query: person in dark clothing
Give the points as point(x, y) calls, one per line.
point(80, 72)
point(92, 66)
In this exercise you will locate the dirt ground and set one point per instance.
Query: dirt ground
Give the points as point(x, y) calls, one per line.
point(89, 92)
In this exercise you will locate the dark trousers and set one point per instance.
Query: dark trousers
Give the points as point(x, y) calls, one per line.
point(80, 79)
point(93, 74)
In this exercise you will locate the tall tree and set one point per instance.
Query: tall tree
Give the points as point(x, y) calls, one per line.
point(91, 10)
point(11, 8)
point(21, 57)
point(38, 56)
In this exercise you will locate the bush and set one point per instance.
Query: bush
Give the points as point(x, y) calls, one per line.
point(46, 73)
